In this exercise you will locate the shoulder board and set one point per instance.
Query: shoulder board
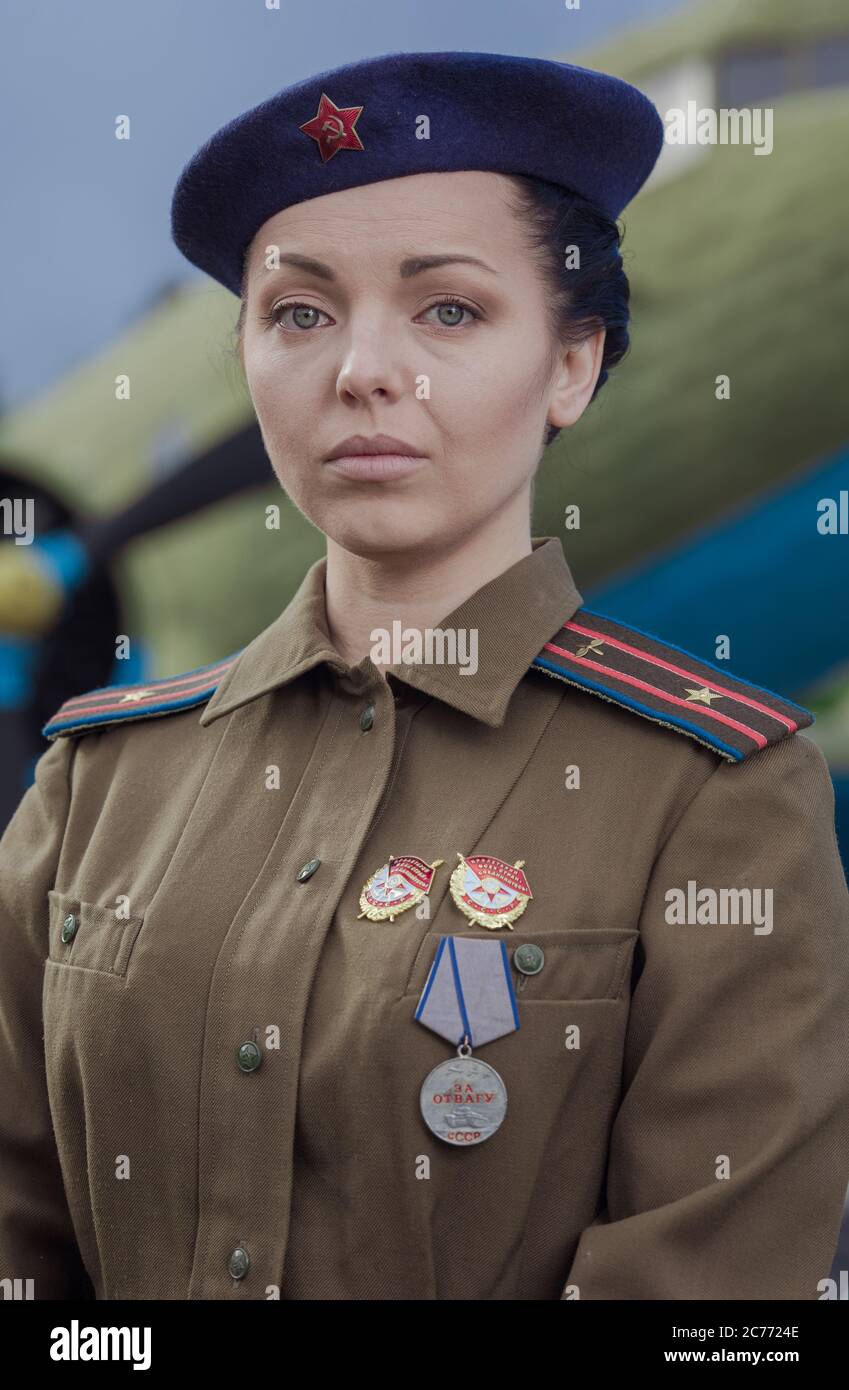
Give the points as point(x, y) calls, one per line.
point(665, 683)
point(117, 704)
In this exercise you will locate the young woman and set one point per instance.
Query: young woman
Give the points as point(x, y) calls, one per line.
point(451, 940)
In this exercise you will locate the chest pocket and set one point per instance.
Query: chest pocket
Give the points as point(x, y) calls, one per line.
point(88, 936)
point(582, 963)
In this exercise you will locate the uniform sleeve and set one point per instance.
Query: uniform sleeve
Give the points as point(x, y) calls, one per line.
point(729, 1153)
point(36, 1235)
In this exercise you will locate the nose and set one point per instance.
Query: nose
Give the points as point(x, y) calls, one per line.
point(372, 363)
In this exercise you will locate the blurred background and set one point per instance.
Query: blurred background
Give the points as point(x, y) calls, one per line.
point(698, 516)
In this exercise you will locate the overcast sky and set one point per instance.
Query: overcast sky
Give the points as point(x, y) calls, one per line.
point(85, 237)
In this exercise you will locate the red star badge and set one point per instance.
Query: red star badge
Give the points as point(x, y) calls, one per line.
point(333, 128)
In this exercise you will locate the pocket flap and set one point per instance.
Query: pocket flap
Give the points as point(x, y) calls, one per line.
point(97, 938)
point(578, 963)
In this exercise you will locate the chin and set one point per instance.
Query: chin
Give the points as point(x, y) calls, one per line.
point(374, 535)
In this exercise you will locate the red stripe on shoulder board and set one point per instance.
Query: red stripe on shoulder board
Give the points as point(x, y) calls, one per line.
point(655, 660)
point(112, 696)
point(657, 693)
point(136, 697)
point(667, 684)
point(126, 702)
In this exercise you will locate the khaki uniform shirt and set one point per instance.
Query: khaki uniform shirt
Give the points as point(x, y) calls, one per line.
point(678, 1114)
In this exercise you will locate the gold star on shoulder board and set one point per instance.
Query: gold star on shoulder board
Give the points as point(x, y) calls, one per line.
point(703, 696)
point(133, 695)
point(593, 646)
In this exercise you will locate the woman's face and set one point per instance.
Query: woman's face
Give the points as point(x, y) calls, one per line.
point(364, 343)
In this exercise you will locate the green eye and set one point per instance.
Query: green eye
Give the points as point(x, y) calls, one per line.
point(453, 309)
point(306, 310)
point(305, 316)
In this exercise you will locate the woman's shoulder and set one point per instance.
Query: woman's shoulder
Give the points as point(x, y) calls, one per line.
point(656, 680)
point(119, 704)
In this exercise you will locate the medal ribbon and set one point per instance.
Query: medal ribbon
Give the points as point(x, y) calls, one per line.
point(469, 991)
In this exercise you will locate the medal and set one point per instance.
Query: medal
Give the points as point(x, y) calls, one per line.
point(400, 883)
point(488, 891)
point(469, 999)
point(463, 1100)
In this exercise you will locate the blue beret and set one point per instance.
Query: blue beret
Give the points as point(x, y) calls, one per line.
point(587, 131)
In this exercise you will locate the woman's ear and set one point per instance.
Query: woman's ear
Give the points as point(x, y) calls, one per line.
point(575, 376)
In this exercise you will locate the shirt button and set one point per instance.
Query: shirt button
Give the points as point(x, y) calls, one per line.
point(248, 1056)
point(308, 870)
point(367, 717)
point(528, 958)
point(69, 928)
point(238, 1262)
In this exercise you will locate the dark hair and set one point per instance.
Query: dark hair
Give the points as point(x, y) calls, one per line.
point(593, 294)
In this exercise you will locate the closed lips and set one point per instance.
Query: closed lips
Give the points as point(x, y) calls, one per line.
point(358, 444)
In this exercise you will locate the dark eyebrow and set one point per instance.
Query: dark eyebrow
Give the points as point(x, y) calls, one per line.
point(414, 265)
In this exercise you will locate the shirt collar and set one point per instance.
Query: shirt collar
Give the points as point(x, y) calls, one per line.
point(514, 615)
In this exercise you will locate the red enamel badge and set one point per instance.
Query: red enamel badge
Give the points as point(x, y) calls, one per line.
point(489, 891)
point(332, 127)
point(398, 884)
